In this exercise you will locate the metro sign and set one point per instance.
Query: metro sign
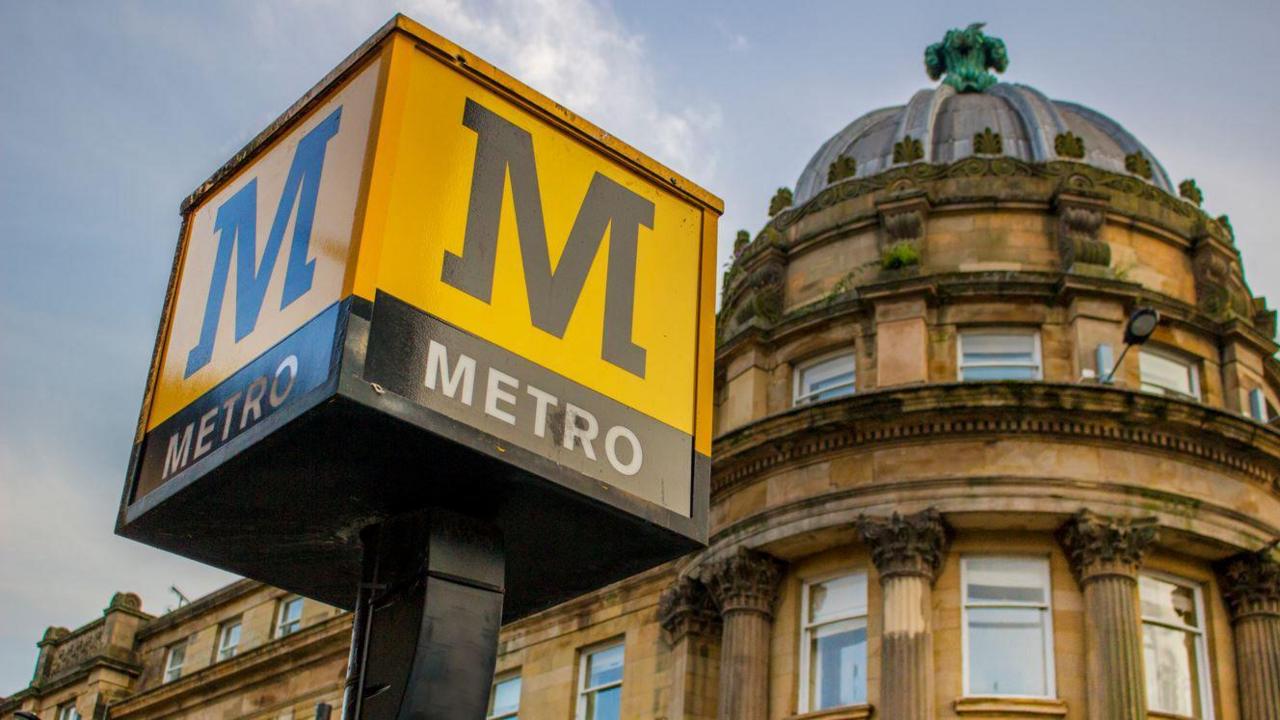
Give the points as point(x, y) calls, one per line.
point(428, 286)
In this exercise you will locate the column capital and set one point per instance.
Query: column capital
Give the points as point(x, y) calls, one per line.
point(906, 544)
point(1099, 545)
point(687, 608)
point(745, 580)
point(1251, 584)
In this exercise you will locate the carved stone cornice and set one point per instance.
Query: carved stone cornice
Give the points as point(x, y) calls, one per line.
point(687, 608)
point(746, 580)
point(906, 544)
point(1251, 585)
point(1098, 545)
point(950, 410)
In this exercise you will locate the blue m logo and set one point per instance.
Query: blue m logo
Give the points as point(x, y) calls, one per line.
point(236, 226)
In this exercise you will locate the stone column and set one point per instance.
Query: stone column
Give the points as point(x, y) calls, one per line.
point(1105, 555)
point(691, 627)
point(1251, 584)
point(908, 552)
point(745, 586)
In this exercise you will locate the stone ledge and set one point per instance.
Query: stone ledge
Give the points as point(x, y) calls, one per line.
point(1010, 707)
point(848, 712)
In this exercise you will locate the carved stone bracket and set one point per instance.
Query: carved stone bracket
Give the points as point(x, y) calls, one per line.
point(1251, 585)
point(1098, 545)
point(903, 223)
point(687, 608)
point(906, 544)
point(746, 580)
point(1080, 221)
point(1220, 290)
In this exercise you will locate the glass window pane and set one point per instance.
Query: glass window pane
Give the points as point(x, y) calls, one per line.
point(827, 379)
point(1167, 602)
point(1173, 678)
point(1018, 580)
point(1007, 651)
point(506, 697)
point(605, 705)
point(293, 610)
point(1000, 372)
point(838, 665)
point(1160, 373)
point(838, 598)
point(978, 344)
point(604, 666)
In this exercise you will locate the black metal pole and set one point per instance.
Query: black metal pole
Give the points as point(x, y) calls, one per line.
point(425, 634)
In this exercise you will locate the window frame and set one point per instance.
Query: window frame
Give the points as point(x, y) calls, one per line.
point(1192, 363)
point(1201, 633)
point(1050, 668)
point(800, 368)
point(507, 676)
point(807, 626)
point(1013, 330)
point(219, 648)
point(584, 655)
point(68, 710)
point(278, 631)
point(168, 671)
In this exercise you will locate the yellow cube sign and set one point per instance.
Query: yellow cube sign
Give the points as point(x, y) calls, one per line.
point(424, 236)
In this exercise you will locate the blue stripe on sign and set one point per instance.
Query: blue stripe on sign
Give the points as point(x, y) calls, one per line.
point(272, 381)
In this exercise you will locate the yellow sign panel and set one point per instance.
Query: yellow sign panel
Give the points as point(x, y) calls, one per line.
point(522, 273)
point(580, 264)
point(269, 250)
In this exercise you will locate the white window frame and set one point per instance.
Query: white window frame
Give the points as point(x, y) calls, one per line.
point(1051, 680)
point(584, 655)
point(281, 606)
point(493, 690)
point(1190, 361)
point(799, 398)
point(1038, 357)
point(807, 626)
point(220, 652)
point(68, 710)
point(173, 672)
point(1201, 633)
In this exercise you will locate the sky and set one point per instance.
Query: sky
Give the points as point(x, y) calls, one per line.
point(111, 113)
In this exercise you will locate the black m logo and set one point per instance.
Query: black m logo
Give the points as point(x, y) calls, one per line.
point(503, 148)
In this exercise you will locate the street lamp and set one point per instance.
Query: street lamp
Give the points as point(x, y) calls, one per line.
point(1142, 323)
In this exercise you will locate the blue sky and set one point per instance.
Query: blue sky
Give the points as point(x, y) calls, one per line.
point(110, 113)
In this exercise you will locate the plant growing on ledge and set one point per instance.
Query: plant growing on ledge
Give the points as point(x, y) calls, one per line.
point(781, 201)
point(899, 255)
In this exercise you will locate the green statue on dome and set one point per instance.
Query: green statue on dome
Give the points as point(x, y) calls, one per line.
point(965, 55)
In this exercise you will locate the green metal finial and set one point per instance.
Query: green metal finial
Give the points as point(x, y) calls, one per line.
point(965, 55)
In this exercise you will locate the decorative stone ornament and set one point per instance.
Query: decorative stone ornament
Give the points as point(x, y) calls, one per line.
point(1188, 190)
point(906, 544)
point(746, 580)
point(1080, 221)
point(907, 150)
point(740, 242)
point(843, 167)
point(964, 56)
point(988, 143)
point(687, 608)
point(1069, 145)
point(902, 222)
point(1251, 585)
point(781, 201)
point(1138, 164)
point(1098, 545)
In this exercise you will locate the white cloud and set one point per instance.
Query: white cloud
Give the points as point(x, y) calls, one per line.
point(581, 56)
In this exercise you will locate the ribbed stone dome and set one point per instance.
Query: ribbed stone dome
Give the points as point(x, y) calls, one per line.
point(945, 123)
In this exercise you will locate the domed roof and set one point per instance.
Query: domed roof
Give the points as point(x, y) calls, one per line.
point(944, 124)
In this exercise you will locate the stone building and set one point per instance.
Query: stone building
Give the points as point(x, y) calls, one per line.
point(935, 492)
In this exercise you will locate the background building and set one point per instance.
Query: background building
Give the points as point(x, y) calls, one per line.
point(926, 502)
